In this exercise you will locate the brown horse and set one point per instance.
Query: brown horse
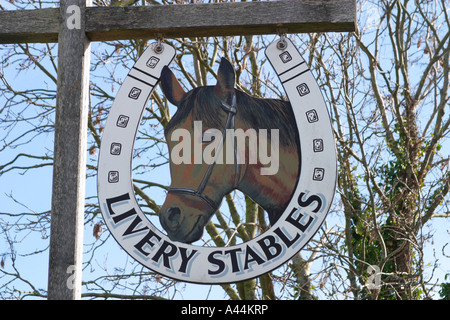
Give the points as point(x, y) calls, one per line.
point(198, 187)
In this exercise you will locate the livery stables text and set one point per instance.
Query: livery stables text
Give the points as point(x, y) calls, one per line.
point(176, 257)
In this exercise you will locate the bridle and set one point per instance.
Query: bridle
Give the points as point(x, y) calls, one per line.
point(230, 124)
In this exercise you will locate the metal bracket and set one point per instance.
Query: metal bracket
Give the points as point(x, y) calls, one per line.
point(159, 47)
point(282, 43)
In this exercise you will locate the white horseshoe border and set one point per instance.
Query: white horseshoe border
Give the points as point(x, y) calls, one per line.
point(212, 265)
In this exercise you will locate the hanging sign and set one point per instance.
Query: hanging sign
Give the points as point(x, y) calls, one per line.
point(289, 168)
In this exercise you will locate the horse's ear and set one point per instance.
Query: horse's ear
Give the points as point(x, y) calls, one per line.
point(226, 80)
point(171, 87)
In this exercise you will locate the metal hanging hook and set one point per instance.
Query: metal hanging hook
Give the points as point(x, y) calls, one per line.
point(158, 47)
point(282, 43)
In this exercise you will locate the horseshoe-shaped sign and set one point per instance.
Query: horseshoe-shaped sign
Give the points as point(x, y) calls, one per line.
point(303, 216)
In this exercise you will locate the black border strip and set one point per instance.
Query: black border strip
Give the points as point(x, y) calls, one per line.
point(283, 82)
point(136, 78)
point(146, 73)
point(297, 65)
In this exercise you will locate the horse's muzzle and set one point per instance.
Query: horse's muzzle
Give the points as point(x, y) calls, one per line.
point(172, 221)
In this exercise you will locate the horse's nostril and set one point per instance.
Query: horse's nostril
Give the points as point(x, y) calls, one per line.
point(174, 215)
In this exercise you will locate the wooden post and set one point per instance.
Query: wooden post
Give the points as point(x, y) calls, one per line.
point(67, 220)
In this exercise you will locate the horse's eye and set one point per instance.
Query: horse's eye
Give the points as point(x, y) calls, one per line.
point(208, 136)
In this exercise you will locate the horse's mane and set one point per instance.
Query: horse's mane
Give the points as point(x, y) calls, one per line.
point(256, 112)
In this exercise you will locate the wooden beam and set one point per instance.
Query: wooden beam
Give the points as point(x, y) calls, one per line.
point(69, 168)
point(20, 26)
point(220, 19)
point(190, 20)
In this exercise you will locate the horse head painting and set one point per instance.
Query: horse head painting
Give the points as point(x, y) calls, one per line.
point(207, 162)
